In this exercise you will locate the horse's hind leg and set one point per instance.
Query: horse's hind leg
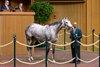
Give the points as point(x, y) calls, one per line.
point(31, 42)
point(29, 49)
point(31, 58)
point(48, 49)
point(29, 53)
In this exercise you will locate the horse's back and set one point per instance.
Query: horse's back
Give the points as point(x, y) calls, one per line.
point(35, 30)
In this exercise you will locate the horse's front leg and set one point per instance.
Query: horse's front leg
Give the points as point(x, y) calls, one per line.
point(48, 49)
point(53, 52)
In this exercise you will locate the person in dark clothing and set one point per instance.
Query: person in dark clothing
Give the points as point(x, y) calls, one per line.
point(75, 34)
point(6, 6)
point(20, 7)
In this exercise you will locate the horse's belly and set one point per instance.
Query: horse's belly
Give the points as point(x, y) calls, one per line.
point(38, 34)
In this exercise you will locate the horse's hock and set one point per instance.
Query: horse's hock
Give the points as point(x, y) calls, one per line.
point(10, 23)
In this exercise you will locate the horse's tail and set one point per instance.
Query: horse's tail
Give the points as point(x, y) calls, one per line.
point(27, 29)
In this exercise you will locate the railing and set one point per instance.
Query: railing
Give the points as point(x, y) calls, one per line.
point(46, 59)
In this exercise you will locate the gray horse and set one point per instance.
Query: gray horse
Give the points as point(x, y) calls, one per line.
point(36, 32)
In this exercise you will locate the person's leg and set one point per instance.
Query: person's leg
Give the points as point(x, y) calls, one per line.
point(78, 53)
point(73, 51)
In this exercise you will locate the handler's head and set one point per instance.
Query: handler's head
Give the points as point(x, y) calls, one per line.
point(75, 24)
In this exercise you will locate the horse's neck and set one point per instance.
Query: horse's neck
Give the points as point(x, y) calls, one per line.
point(57, 27)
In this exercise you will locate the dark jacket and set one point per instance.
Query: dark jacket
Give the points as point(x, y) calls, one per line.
point(4, 8)
point(76, 35)
point(17, 8)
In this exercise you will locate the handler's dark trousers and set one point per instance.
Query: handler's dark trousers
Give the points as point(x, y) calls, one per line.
point(77, 52)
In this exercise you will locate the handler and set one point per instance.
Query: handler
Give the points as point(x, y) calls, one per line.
point(75, 34)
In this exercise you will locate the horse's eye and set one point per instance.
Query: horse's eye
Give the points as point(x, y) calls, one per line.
point(66, 22)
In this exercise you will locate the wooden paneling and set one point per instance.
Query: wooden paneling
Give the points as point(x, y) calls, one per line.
point(14, 23)
point(87, 15)
point(75, 12)
point(93, 17)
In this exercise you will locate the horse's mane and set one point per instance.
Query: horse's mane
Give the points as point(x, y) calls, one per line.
point(57, 22)
point(54, 23)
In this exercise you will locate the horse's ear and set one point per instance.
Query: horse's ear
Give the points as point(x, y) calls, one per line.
point(66, 18)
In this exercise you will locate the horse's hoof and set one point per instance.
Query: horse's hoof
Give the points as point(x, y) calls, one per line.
point(29, 60)
point(32, 58)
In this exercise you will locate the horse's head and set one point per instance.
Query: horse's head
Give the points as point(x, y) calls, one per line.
point(67, 23)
